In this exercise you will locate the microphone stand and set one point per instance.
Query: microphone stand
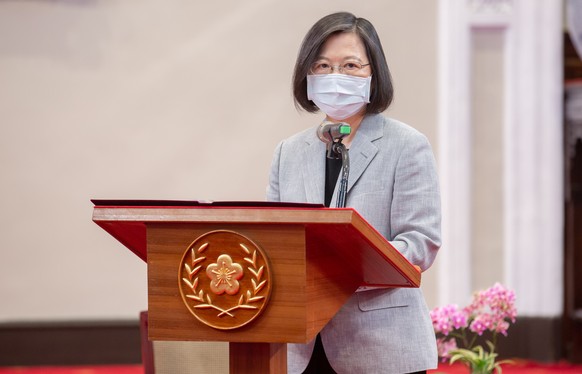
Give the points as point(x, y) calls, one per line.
point(339, 149)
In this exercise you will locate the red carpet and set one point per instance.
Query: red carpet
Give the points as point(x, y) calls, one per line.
point(520, 367)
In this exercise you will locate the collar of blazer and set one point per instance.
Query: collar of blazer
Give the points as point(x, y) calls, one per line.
point(362, 151)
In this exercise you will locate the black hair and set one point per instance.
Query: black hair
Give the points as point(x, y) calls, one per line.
point(381, 92)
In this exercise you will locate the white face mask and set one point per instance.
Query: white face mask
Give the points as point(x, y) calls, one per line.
point(338, 95)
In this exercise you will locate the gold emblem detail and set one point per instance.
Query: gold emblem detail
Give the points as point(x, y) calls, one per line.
point(233, 288)
point(224, 275)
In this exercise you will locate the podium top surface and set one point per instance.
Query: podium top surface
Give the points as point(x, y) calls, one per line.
point(126, 220)
point(202, 203)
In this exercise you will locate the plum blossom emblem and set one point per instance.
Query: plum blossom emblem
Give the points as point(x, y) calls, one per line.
point(224, 275)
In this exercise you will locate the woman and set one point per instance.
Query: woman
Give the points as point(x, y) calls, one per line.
point(341, 70)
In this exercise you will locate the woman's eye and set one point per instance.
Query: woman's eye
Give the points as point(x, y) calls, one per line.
point(350, 66)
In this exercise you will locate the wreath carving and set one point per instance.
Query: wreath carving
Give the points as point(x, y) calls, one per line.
point(222, 278)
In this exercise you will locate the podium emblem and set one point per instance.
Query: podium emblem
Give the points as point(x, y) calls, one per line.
point(224, 279)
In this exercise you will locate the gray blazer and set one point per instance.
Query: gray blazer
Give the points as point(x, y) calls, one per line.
point(394, 185)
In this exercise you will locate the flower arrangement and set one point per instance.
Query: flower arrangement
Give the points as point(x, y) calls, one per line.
point(457, 329)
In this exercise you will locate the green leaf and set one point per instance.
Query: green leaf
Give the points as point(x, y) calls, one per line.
point(479, 351)
point(491, 346)
point(463, 355)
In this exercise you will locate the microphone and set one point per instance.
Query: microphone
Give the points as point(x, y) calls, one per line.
point(332, 134)
point(329, 132)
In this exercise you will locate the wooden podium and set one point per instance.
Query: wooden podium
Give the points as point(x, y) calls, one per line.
point(257, 275)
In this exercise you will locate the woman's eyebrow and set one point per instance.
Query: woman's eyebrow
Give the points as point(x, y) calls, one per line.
point(345, 58)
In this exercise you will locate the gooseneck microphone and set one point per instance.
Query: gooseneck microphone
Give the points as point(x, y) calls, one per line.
point(329, 132)
point(332, 134)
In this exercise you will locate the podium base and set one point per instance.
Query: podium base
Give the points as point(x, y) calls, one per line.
point(258, 358)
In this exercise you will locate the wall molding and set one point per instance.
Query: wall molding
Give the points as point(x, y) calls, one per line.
point(70, 343)
point(118, 342)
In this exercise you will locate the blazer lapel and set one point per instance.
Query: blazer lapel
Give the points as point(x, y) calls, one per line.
point(314, 171)
point(362, 150)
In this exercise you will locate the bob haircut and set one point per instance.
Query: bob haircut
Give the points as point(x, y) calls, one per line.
point(381, 91)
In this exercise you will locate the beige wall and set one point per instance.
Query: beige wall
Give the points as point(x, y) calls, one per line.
point(153, 100)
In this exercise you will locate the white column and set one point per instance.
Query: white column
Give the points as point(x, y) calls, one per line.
point(534, 216)
point(533, 171)
point(454, 152)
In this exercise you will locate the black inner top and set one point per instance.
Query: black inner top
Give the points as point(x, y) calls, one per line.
point(332, 171)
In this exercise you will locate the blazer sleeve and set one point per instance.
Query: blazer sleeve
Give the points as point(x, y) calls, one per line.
point(273, 192)
point(415, 214)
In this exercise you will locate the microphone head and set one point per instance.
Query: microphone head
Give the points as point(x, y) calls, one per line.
point(329, 132)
